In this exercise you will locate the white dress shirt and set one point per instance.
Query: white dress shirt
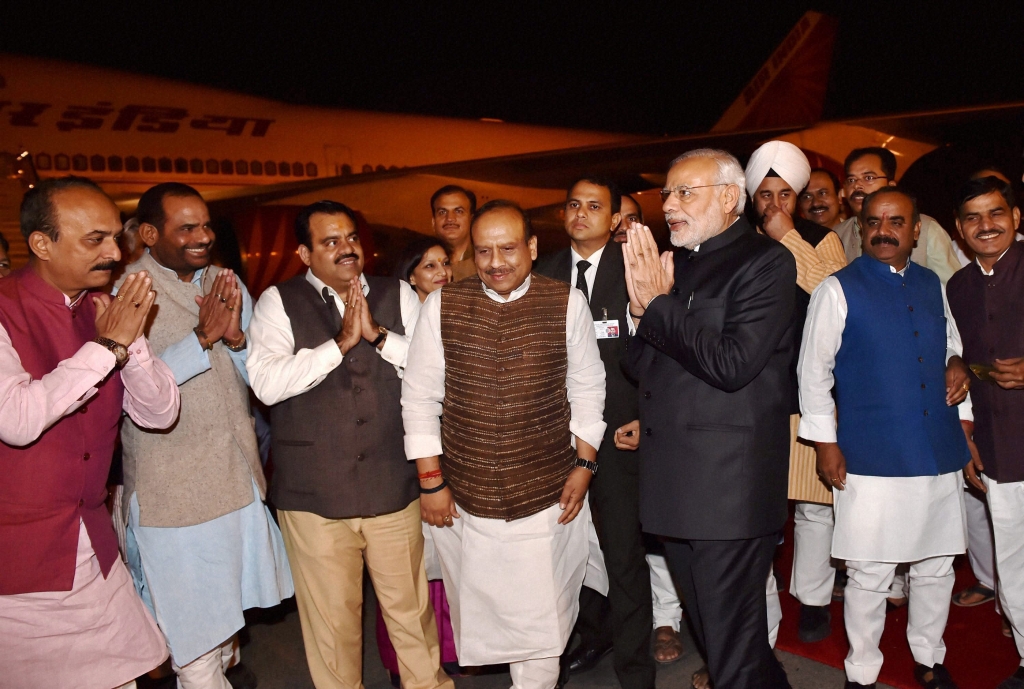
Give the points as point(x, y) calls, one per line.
point(423, 386)
point(823, 335)
point(277, 371)
point(591, 274)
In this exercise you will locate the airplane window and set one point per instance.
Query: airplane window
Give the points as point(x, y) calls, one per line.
point(131, 164)
point(61, 161)
point(79, 163)
point(115, 163)
point(43, 161)
point(149, 164)
point(196, 166)
point(284, 169)
point(165, 164)
point(297, 169)
point(367, 168)
point(98, 163)
point(180, 165)
point(271, 167)
point(227, 167)
point(257, 168)
point(212, 167)
point(242, 167)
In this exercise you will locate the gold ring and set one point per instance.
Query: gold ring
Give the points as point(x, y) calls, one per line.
point(120, 297)
point(231, 308)
point(966, 387)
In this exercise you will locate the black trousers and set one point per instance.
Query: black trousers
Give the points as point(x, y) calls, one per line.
point(624, 618)
point(722, 586)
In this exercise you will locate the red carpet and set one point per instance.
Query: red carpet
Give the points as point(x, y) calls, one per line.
point(978, 656)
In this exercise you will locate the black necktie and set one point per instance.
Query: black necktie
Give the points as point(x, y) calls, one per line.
point(333, 315)
point(581, 278)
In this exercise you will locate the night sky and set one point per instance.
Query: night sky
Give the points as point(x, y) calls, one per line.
point(632, 69)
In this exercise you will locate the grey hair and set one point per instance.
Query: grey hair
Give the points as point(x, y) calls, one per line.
point(729, 170)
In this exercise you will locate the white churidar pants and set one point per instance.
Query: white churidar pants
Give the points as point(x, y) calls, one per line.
point(813, 575)
point(207, 671)
point(931, 584)
point(1006, 503)
point(668, 611)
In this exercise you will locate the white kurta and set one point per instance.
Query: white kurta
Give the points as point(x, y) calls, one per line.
point(513, 587)
point(878, 519)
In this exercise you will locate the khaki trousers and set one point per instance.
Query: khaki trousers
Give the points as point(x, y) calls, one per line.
point(327, 557)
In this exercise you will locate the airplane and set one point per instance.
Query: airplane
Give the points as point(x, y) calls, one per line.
point(256, 161)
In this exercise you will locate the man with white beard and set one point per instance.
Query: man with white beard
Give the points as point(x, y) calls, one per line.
point(712, 350)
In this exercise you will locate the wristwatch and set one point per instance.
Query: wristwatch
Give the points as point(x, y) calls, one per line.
point(586, 464)
point(119, 351)
point(381, 337)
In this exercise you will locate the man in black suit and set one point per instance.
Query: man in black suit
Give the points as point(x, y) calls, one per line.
point(712, 352)
point(623, 621)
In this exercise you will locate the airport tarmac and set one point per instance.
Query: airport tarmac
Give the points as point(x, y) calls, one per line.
point(275, 653)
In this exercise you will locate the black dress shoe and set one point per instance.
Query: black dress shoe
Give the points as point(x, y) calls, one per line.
point(241, 677)
point(854, 685)
point(563, 672)
point(586, 657)
point(815, 623)
point(940, 676)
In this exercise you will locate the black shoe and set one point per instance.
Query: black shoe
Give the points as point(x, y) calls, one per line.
point(940, 676)
point(1014, 681)
point(815, 623)
point(854, 685)
point(586, 657)
point(563, 672)
point(241, 677)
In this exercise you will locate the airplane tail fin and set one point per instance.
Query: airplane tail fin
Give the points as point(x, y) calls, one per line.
point(789, 89)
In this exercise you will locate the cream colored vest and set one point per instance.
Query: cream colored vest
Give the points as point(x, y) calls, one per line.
point(204, 465)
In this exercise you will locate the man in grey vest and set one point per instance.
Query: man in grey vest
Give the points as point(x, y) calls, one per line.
point(201, 545)
point(327, 353)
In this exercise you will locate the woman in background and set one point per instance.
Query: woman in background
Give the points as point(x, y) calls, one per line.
point(426, 267)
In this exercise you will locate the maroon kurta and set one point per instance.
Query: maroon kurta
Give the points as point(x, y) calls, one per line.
point(52, 483)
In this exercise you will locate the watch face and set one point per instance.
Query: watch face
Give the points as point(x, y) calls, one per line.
point(121, 354)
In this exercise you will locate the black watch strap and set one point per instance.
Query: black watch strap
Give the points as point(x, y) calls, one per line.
point(380, 336)
point(586, 464)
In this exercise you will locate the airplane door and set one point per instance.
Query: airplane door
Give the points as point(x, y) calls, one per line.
point(339, 159)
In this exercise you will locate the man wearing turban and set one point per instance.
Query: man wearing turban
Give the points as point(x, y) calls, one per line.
point(776, 174)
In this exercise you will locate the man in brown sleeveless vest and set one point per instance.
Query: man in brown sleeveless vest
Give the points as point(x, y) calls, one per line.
point(513, 361)
point(327, 350)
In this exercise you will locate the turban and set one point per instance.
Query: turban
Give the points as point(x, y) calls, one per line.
point(781, 157)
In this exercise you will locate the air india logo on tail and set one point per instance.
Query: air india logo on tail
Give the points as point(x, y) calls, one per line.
point(789, 89)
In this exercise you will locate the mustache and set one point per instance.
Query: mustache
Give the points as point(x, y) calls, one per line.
point(344, 257)
point(858, 195)
point(883, 239)
point(106, 265)
point(498, 271)
point(818, 209)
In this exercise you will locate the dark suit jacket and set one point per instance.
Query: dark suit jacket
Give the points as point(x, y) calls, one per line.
point(713, 359)
point(609, 295)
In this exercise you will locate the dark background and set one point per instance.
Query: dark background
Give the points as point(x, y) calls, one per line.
point(670, 68)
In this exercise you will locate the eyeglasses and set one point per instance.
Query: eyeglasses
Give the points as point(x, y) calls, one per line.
point(685, 193)
point(867, 179)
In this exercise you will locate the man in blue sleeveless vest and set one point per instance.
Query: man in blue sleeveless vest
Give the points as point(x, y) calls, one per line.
point(879, 331)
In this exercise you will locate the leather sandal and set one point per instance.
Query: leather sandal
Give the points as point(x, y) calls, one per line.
point(668, 647)
point(961, 599)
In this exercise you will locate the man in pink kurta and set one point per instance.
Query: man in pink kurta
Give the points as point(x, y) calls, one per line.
point(71, 361)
